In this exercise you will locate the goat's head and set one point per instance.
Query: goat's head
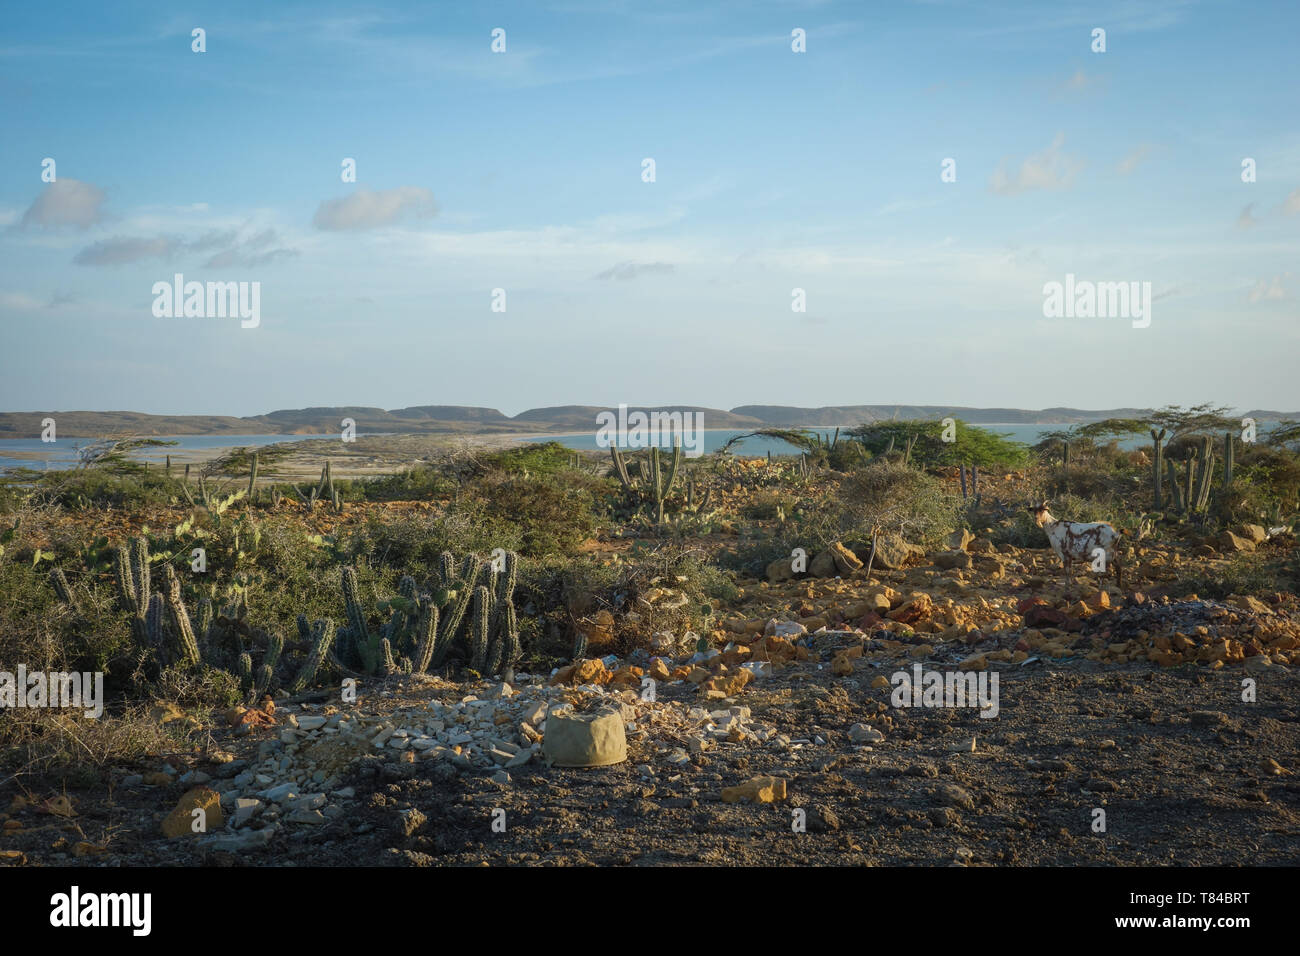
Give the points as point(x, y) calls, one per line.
point(1040, 514)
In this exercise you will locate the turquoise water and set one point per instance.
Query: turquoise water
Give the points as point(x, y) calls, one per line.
point(62, 454)
point(759, 446)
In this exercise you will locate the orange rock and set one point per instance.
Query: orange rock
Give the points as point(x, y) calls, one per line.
point(630, 676)
point(756, 790)
point(197, 811)
point(659, 670)
point(918, 608)
point(729, 685)
point(841, 665)
point(592, 671)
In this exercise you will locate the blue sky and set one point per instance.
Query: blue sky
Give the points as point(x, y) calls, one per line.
point(774, 170)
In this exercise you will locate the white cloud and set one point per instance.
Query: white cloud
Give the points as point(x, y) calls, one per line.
point(367, 209)
point(66, 202)
point(1268, 290)
point(1246, 220)
point(1049, 169)
point(630, 270)
point(120, 250)
point(1291, 205)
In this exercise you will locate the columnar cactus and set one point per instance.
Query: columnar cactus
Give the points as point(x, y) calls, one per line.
point(1229, 459)
point(509, 628)
point(1201, 499)
point(478, 628)
point(427, 629)
point(187, 648)
point(322, 635)
point(252, 480)
point(134, 598)
point(1158, 463)
point(155, 623)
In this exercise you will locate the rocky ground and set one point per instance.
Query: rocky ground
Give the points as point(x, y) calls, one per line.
point(1147, 726)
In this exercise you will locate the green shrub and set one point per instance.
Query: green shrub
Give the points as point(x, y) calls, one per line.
point(972, 445)
point(901, 500)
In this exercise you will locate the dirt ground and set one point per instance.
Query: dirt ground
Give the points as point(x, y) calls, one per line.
point(1186, 772)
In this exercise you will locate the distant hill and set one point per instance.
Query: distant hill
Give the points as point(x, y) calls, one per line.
point(468, 419)
point(791, 416)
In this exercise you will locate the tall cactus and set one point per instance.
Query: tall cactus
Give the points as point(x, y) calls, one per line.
point(187, 648)
point(252, 481)
point(1177, 498)
point(322, 635)
point(478, 628)
point(427, 631)
point(133, 586)
point(511, 650)
point(1205, 473)
point(1229, 459)
point(1157, 463)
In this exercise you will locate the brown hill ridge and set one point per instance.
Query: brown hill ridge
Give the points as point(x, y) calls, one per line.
point(467, 419)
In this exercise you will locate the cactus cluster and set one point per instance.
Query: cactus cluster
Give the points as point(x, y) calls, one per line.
point(1192, 496)
point(161, 622)
point(473, 601)
point(649, 482)
point(324, 489)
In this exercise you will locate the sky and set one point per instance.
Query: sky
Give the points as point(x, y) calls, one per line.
point(518, 178)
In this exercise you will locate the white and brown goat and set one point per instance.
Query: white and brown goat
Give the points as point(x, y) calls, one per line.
point(1093, 541)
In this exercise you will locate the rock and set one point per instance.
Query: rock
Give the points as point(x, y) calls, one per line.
point(1248, 603)
point(184, 820)
point(787, 629)
point(952, 795)
point(836, 560)
point(245, 809)
point(1233, 543)
point(281, 793)
point(959, 540)
point(1253, 533)
point(311, 801)
point(865, 734)
point(308, 817)
point(892, 553)
point(585, 740)
point(314, 722)
point(822, 819)
point(823, 566)
point(846, 562)
point(952, 560)
point(236, 843)
point(410, 821)
point(918, 608)
point(156, 778)
point(756, 790)
point(943, 817)
point(779, 570)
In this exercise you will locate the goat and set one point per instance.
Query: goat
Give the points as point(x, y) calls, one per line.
point(1078, 541)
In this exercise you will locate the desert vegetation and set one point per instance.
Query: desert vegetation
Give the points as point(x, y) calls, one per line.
point(204, 595)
